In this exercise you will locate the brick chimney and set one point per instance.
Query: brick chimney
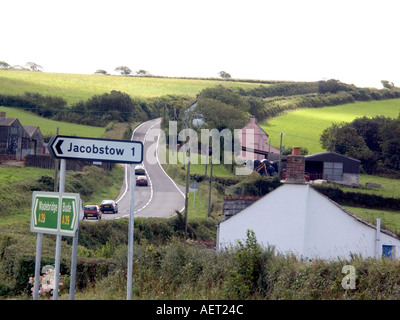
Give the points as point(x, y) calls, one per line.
point(295, 165)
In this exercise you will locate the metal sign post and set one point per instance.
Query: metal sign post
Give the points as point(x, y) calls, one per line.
point(131, 236)
point(54, 213)
point(194, 187)
point(58, 213)
point(63, 165)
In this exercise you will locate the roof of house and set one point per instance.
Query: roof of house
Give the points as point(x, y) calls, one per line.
point(31, 130)
point(329, 156)
point(320, 194)
point(6, 122)
point(253, 124)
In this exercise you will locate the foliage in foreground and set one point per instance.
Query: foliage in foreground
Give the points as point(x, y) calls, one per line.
point(182, 270)
point(187, 269)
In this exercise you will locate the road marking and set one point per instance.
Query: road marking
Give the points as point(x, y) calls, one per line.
point(126, 174)
point(158, 161)
point(126, 166)
point(151, 184)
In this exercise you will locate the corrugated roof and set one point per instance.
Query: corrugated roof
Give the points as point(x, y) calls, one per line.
point(321, 155)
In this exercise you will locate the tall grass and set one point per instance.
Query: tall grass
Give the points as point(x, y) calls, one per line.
point(247, 271)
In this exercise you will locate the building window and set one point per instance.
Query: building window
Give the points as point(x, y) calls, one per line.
point(388, 251)
point(333, 171)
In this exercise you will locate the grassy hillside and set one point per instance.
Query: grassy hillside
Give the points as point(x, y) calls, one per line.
point(303, 127)
point(49, 127)
point(76, 87)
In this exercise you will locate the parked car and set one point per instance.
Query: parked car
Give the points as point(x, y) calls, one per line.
point(92, 211)
point(141, 181)
point(109, 206)
point(140, 170)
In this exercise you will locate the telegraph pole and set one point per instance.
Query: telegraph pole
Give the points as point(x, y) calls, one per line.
point(280, 157)
point(210, 187)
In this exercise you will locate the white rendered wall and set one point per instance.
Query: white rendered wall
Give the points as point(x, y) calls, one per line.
point(296, 218)
point(272, 224)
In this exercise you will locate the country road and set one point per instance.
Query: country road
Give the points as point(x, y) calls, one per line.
point(162, 197)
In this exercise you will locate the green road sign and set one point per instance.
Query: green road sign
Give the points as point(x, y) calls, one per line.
point(69, 214)
point(55, 213)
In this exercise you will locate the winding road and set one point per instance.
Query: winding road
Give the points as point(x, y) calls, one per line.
point(162, 197)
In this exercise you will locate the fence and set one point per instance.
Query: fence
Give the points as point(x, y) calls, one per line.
point(47, 162)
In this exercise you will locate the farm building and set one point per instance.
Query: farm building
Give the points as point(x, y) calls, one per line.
point(254, 138)
point(15, 141)
point(334, 167)
point(37, 144)
point(295, 218)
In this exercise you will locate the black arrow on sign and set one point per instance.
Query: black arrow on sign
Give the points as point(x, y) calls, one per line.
point(58, 146)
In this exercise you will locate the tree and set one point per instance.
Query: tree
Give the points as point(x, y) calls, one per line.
point(123, 70)
point(333, 86)
point(390, 143)
point(224, 75)
point(370, 130)
point(344, 139)
point(386, 84)
point(142, 72)
point(34, 66)
point(4, 65)
point(220, 115)
point(100, 71)
point(225, 95)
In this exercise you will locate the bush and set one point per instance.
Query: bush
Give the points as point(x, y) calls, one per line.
point(91, 270)
point(358, 199)
point(242, 279)
point(256, 185)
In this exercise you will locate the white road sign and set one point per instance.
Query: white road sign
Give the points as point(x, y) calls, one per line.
point(121, 151)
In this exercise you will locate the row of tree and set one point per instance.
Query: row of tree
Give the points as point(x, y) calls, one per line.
point(98, 110)
point(124, 70)
point(373, 141)
point(32, 66)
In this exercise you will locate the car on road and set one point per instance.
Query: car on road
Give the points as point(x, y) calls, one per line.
point(92, 211)
point(142, 181)
point(109, 206)
point(140, 170)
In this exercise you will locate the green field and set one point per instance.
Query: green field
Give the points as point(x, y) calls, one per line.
point(49, 127)
point(390, 219)
point(76, 87)
point(12, 174)
point(303, 127)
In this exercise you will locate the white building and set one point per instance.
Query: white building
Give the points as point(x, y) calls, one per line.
point(298, 219)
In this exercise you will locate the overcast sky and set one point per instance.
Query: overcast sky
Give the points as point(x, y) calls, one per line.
point(354, 41)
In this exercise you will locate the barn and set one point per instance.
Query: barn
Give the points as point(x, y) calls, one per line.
point(16, 140)
point(333, 167)
point(37, 144)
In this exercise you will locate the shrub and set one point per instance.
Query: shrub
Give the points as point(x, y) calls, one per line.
point(242, 280)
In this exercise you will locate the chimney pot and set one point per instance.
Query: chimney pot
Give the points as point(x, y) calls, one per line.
point(2, 114)
point(296, 151)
